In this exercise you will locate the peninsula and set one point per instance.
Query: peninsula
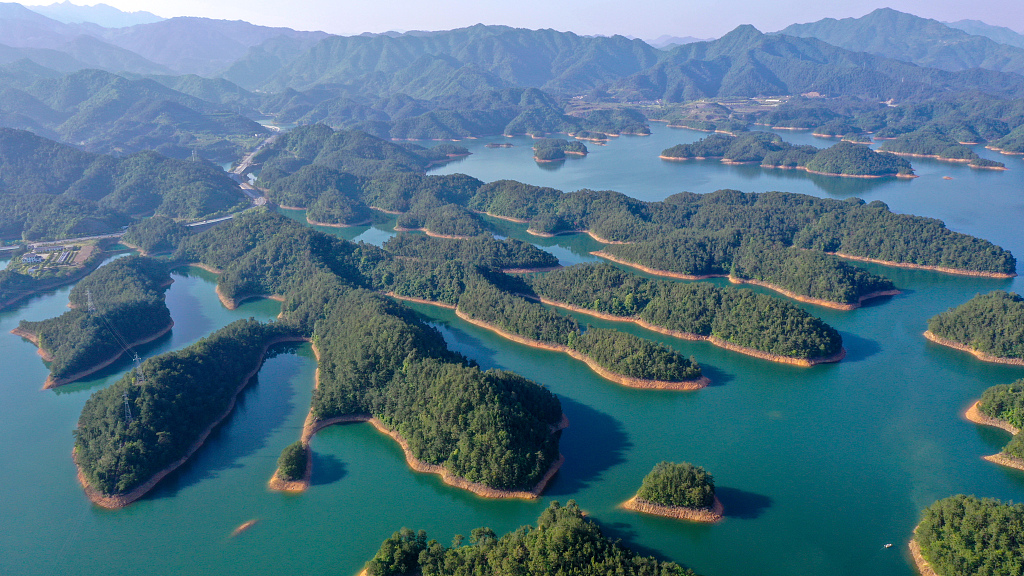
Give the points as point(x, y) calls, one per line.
point(987, 326)
point(968, 535)
point(1002, 406)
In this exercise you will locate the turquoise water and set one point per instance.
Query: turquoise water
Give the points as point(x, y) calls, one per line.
point(817, 468)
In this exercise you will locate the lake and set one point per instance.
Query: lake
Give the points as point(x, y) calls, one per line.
point(818, 468)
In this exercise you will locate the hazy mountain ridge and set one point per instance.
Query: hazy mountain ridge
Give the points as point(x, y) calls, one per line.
point(99, 14)
point(1000, 34)
point(922, 41)
point(746, 62)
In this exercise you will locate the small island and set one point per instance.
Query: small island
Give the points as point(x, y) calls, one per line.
point(987, 326)
point(1002, 406)
point(968, 535)
point(564, 540)
point(931, 142)
point(293, 468)
point(555, 149)
point(678, 490)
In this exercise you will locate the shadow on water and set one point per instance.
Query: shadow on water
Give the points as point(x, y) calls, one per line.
point(717, 376)
point(741, 504)
point(326, 469)
point(883, 300)
point(226, 447)
point(858, 348)
point(466, 344)
point(627, 535)
point(593, 443)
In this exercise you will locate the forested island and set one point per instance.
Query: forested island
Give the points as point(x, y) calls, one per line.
point(804, 275)
point(555, 149)
point(932, 142)
point(1002, 406)
point(969, 535)
point(678, 490)
point(390, 179)
point(128, 297)
point(564, 541)
point(989, 326)
point(771, 151)
point(739, 320)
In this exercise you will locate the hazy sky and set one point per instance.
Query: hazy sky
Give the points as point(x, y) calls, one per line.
point(644, 18)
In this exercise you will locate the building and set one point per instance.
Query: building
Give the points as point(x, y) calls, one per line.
point(32, 258)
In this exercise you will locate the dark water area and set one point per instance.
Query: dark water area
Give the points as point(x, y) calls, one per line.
point(818, 468)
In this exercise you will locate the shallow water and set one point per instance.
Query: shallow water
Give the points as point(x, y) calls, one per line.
point(818, 468)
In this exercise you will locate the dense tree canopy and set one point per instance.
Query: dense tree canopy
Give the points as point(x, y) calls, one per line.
point(992, 323)
point(128, 295)
point(678, 484)
point(563, 542)
point(967, 535)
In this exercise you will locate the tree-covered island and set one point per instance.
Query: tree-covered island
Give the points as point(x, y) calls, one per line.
point(969, 535)
point(128, 300)
point(555, 149)
point(564, 541)
point(678, 490)
point(770, 151)
point(989, 326)
point(1002, 406)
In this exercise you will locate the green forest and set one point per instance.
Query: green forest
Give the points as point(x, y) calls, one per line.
point(771, 151)
point(992, 323)
point(183, 392)
point(291, 464)
point(1006, 402)
point(564, 541)
point(969, 535)
point(737, 316)
point(483, 250)
point(128, 295)
point(678, 484)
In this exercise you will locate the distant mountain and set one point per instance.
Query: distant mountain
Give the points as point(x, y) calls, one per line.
point(892, 34)
point(668, 41)
point(466, 60)
point(746, 62)
point(103, 112)
point(998, 33)
point(197, 45)
point(65, 47)
point(101, 14)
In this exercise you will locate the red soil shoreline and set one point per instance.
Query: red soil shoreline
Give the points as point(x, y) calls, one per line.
point(710, 515)
point(805, 362)
point(908, 266)
point(923, 567)
point(121, 500)
point(973, 414)
point(977, 354)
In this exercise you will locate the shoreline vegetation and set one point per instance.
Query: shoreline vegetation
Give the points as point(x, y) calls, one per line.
point(711, 515)
point(923, 567)
point(60, 282)
point(970, 162)
point(729, 162)
point(804, 362)
point(909, 266)
point(735, 280)
point(621, 379)
point(1001, 401)
point(311, 426)
point(115, 501)
point(983, 356)
point(52, 383)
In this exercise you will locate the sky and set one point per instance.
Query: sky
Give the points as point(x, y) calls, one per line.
point(647, 19)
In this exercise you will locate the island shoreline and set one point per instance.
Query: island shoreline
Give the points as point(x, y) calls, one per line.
point(116, 501)
point(710, 515)
point(957, 271)
point(983, 356)
point(804, 362)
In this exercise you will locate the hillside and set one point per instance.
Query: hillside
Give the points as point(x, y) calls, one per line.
point(922, 41)
point(746, 62)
